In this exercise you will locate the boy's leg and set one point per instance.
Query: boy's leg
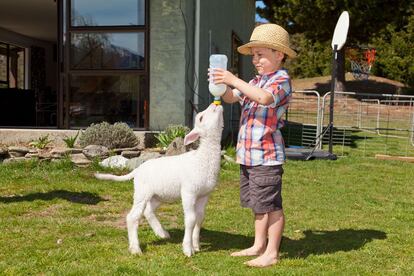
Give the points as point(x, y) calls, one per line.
point(260, 237)
point(276, 223)
point(260, 220)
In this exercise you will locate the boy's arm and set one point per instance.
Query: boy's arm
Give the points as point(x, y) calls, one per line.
point(231, 96)
point(254, 93)
point(277, 93)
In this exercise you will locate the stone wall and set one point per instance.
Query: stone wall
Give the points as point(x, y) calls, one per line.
point(12, 137)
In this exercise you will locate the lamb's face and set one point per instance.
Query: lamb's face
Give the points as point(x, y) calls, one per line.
point(210, 119)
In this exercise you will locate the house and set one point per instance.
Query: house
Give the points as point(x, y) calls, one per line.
point(65, 64)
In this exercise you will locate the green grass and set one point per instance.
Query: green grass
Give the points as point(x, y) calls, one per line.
point(350, 216)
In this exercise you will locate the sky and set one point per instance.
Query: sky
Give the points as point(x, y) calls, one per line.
point(258, 18)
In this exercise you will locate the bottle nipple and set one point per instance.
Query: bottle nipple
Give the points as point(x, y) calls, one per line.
point(217, 101)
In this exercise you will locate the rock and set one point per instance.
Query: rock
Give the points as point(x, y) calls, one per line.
point(14, 159)
point(59, 152)
point(130, 153)
point(74, 150)
point(146, 140)
point(18, 151)
point(116, 161)
point(137, 161)
point(176, 147)
point(15, 154)
point(118, 151)
point(96, 151)
point(32, 155)
point(79, 159)
point(159, 150)
point(45, 155)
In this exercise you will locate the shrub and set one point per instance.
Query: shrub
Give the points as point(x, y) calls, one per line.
point(170, 133)
point(41, 142)
point(118, 135)
point(70, 140)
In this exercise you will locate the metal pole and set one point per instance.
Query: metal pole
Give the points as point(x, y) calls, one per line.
point(331, 107)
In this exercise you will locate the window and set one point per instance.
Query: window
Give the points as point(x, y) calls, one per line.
point(12, 71)
point(108, 13)
point(110, 98)
point(107, 62)
point(107, 50)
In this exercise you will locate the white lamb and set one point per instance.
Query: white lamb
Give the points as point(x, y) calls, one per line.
point(191, 176)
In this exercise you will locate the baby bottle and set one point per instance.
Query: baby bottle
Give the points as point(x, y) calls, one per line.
point(217, 90)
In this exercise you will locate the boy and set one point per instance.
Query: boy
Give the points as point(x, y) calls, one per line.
point(260, 146)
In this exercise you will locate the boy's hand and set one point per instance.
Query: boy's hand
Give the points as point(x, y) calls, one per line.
point(222, 76)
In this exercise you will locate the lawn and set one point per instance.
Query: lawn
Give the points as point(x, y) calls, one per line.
point(350, 216)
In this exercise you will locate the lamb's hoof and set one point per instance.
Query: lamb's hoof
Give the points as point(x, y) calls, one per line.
point(196, 248)
point(164, 235)
point(135, 251)
point(188, 251)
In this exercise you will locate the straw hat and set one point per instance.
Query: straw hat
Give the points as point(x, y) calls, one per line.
point(268, 36)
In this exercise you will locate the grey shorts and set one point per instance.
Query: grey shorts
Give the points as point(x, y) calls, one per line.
point(261, 188)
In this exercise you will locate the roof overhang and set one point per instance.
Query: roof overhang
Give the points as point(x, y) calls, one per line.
point(33, 18)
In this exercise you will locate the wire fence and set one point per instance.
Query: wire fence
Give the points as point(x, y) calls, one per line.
point(364, 124)
point(303, 117)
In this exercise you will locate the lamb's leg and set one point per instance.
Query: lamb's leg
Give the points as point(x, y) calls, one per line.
point(189, 221)
point(200, 210)
point(132, 224)
point(153, 221)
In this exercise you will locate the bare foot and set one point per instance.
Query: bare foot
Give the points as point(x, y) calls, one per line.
point(252, 251)
point(262, 261)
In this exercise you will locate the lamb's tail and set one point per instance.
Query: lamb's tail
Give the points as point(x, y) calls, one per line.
point(104, 176)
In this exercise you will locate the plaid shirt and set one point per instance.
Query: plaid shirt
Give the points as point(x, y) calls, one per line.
point(260, 141)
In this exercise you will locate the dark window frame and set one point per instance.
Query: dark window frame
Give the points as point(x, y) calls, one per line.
point(235, 67)
point(235, 61)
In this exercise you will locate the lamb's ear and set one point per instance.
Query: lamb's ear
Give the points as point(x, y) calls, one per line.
point(191, 137)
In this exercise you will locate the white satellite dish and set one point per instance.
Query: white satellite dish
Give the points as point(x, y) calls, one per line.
point(341, 31)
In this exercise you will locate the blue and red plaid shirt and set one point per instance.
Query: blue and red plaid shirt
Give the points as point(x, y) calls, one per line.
point(260, 141)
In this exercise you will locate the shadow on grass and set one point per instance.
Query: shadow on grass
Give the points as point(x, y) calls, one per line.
point(293, 134)
point(211, 240)
point(325, 242)
point(314, 242)
point(75, 197)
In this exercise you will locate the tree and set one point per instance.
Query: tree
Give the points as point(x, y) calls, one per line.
point(397, 53)
point(316, 19)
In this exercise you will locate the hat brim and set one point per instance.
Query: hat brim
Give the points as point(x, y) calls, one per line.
point(246, 48)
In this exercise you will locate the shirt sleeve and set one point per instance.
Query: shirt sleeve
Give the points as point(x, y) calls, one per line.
point(281, 89)
point(240, 95)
